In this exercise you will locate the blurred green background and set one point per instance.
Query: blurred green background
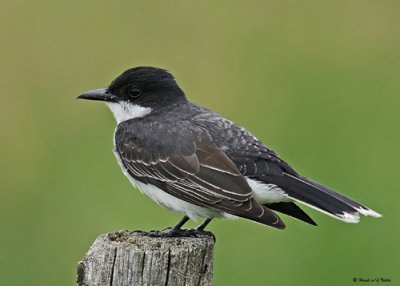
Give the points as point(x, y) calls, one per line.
point(317, 81)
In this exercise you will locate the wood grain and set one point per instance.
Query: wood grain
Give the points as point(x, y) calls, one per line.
point(135, 258)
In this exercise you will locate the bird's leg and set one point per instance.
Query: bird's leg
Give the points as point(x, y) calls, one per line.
point(200, 228)
point(204, 224)
point(176, 231)
point(178, 226)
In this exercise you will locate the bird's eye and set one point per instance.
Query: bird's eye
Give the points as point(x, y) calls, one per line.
point(134, 92)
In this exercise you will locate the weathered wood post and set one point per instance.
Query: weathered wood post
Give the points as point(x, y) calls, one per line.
point(135, 258)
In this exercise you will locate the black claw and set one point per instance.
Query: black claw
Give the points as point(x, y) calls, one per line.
point(155, 233)
point(179, 233)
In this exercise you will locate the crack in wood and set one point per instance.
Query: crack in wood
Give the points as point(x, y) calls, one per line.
point(168, 267)
point(113, 266)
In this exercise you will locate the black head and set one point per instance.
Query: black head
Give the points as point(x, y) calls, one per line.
point(144, 86)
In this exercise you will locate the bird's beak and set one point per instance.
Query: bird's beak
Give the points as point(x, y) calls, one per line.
point(100, 94)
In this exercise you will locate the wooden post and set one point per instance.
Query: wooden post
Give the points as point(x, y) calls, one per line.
point(135, 258)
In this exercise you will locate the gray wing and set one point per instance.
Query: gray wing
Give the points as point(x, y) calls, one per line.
point(182, 160)
point(251, 156)
point(255, 160)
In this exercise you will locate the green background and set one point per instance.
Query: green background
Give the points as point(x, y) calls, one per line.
point(317, 81)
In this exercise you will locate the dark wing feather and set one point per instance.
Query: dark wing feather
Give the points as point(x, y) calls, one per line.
point(206, 177)
point(251, 156)
point(291, 209)
point(187, 164)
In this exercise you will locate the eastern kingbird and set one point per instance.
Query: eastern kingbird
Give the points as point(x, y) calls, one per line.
point(192, 160)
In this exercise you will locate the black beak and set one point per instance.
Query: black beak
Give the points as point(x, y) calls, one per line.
point(101, 94)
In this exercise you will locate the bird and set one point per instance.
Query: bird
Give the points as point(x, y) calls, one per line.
point(194, 161)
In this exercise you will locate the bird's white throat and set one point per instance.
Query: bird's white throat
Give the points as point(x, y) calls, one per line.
point(124, 110)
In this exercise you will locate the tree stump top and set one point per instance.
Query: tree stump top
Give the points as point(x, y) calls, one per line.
point(137, 258)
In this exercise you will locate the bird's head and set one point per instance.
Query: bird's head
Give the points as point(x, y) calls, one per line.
point(137, 92)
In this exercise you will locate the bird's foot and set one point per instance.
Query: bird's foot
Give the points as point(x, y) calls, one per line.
point(193, 232)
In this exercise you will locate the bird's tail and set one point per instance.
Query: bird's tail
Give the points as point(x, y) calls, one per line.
point(322, 198)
